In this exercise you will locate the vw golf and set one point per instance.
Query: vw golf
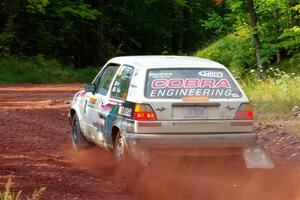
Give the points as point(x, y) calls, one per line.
point(168, 104)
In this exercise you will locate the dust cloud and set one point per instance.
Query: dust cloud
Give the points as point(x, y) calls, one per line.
point(175, 178)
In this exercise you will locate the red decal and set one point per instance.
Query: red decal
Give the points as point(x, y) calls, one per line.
point(106, 107)
point(159, 83)
point(150, 124)
point(99, 123)
point(191, 83)
point(223, 83)
point(207, 82)
point(176, 83)
point(82, 94)
point(241, 124)
point(115, 101)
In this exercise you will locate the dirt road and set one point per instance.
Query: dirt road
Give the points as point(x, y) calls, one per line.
point(35, 152)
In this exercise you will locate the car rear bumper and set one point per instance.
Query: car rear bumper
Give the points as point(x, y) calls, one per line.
point(141, 146)
point(187, 141)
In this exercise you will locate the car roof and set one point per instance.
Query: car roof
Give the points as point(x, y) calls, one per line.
point(165, 61)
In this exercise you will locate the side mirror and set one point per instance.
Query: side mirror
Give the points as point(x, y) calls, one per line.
point(90, 88)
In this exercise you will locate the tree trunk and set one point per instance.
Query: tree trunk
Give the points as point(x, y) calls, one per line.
point(174, 39)
point(256, 41)
point(277, 29)
point(100, 34)
point(186, 27)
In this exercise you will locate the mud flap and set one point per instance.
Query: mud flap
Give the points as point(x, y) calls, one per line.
point(256, 158)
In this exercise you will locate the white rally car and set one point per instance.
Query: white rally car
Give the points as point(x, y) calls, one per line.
point(172, 104)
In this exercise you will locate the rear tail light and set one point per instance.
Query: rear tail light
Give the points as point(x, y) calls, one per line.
point(244, 112)
point(144, 112)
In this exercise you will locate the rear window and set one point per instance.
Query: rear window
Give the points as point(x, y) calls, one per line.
point(178, 83)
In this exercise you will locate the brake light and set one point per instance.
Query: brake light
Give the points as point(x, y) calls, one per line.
point(244, 112)
point(143, 112)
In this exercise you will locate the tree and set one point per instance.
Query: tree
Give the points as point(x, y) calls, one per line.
point(256, 40)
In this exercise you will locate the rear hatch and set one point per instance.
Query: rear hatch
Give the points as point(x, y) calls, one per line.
point(203, 99)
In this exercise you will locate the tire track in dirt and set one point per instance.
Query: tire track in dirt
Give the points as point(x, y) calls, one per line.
point(36, 152)
point(36, 142)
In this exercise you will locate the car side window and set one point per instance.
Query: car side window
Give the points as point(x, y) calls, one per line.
point(106, 78)
point(122, 82)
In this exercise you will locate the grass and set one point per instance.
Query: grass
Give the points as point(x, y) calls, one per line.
point(275, 97)
point(274, 94)
point(8, 194)
point(39, 70)
point(276, 101)
point(235, 51)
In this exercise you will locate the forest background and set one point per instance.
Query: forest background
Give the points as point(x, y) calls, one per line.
point(55, 41)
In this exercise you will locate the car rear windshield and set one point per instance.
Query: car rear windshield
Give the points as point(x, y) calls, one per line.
point(195, 82)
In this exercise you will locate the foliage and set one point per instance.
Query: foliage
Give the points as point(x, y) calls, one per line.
point(278, 27)
point(290, 39)
point(37, 194)
point(86, 32)
point(39, 70)
point(218, 24)
point(8, 194)
point(37, 6)
point(234, 51)
point(279, 92)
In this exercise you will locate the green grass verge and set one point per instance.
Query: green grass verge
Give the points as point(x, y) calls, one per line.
point(276, 102)
point(39, 70)
point(274, 94)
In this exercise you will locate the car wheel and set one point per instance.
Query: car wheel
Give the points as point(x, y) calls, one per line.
point(119, 148)
point(78, 140)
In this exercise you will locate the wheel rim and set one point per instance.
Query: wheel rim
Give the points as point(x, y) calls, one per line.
point(74, 134)
point(119, 149)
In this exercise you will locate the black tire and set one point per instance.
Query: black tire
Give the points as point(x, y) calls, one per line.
point(127, 167)
point(120, 153)
point(78, 140)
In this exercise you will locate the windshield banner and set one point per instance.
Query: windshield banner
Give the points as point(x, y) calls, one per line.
point(171, 83)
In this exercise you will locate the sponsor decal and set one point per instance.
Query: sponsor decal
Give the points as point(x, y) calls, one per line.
point(207, 87)
point(174, 83)
point(90, 115)
point(125, 111)
point(115, 101)
point(92, 102)
point(235, 95)
point(111, 117)
point(91, 105)
point(107, 107)
point(82, 94)
point(191, 92)
point(211, 74)
point(189, 83)
point(100, 122)
point(160, 74)
point(92, 99)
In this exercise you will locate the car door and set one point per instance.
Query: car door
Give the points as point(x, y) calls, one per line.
point(118, 95)
point(94, 103)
